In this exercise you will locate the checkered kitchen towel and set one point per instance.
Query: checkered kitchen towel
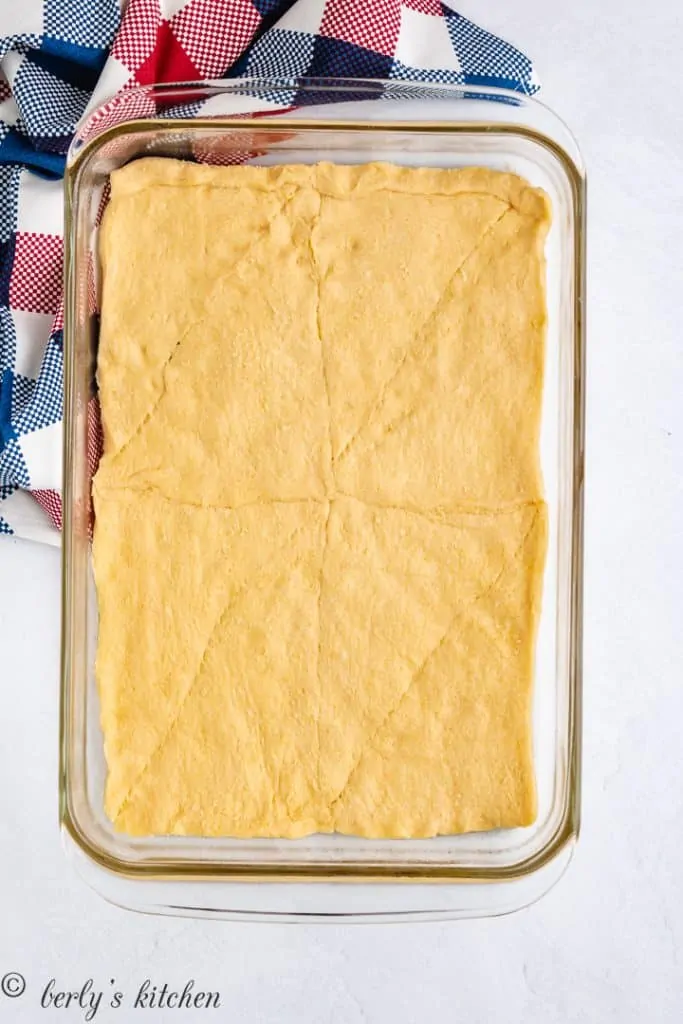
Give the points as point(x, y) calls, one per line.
point(59, 57)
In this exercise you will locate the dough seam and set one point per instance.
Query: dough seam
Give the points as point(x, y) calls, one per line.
point(437, 514)
point(161, 371)
point(440, 514)
point(110, 492)
point(315, 269)
point(160, 397)
point(420, 670)
point(176, 715)
point(479, 193)
point(421, 339)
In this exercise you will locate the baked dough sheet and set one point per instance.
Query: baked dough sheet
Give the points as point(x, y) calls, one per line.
point(320, 529)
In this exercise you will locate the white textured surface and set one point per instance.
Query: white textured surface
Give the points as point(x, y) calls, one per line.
point(607, 944)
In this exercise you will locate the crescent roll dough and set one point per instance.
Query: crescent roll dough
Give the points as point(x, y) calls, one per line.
point(320, 528)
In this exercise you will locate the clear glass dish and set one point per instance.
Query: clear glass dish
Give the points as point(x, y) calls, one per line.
point(344, 122)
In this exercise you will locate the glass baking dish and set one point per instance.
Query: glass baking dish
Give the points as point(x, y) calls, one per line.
point(344, 122)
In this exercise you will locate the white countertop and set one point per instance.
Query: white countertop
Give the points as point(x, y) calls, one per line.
point(606, 945)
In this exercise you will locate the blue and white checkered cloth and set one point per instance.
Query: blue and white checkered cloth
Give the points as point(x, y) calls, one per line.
point(61, 57)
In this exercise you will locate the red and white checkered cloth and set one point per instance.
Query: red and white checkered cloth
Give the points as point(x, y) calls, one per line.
point(60, 58)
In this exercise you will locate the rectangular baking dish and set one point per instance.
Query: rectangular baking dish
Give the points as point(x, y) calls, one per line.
point(344, 122)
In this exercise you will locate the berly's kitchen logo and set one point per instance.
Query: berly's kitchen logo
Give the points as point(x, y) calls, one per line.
point(89, 999)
